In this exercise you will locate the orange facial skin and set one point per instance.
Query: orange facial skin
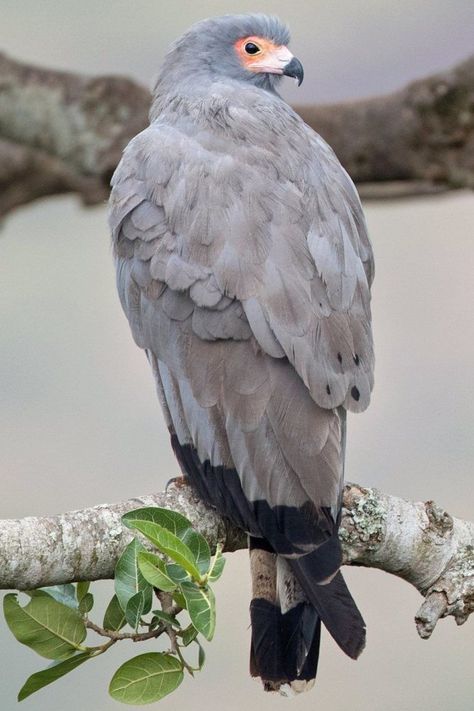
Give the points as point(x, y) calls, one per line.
point(271, 57)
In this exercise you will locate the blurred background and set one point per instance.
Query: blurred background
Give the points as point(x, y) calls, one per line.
point(79, 422)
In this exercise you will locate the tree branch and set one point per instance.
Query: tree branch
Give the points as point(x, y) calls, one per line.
point(418, 542)
point(420, 139)
point(64, 132)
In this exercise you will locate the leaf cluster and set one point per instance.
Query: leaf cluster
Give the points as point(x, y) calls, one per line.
point(162, 587)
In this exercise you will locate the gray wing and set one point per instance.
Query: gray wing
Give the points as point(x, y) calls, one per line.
point(295, 254)
point(250, 293)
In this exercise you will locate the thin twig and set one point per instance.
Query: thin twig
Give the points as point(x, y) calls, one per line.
point(134, 636)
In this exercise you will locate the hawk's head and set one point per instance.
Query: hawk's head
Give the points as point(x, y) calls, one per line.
point(246, 48)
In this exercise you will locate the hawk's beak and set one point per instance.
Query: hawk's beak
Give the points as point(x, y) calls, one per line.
point(294, 68)
point(276, 60)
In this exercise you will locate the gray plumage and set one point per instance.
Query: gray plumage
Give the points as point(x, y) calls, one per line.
point(244, 268)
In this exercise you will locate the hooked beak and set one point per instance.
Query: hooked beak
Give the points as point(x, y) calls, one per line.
point(294, 68)
point(275, 60)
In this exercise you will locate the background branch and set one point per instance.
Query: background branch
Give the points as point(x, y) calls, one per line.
point(64, 132)
point(418, 542)
point(421, 137)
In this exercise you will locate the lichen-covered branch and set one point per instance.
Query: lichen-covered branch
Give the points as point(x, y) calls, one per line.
point(418, 542)
point(83, 121)
point(64, 132)
point(27, 174)
point(421, 137)
point(85, 545)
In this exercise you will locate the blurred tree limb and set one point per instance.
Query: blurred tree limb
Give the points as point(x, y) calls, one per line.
point(418, 542)
point(63, 132)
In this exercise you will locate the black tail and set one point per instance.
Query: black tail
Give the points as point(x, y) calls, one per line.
point(301, 633)
point(285, 647)
point(334, 604)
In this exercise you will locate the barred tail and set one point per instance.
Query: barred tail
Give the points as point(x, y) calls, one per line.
point(285, 627)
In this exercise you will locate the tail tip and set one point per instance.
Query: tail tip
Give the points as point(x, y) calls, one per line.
point(289, 688)
point(360, 646)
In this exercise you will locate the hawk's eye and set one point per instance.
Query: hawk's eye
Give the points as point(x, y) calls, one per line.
point(252, 48)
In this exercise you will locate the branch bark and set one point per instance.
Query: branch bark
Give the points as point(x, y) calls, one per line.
point(63, 132)
point(418, 542)
point(421, 137)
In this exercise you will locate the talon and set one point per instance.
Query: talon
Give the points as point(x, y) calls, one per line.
point(174, 481)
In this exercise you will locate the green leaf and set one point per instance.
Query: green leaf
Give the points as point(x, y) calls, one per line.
point(114, 618)
point(128, 578)
point(168, 619)
point(65, 594)
point(201, 656)
point(171, 520)
point(42, 678)
point(135, 609)
point(217, 568)
point(146, 678)
point(170, 545)
point(179, 599)
point(179, 527)
point(189, 635)
point(199, 547)
point(86, 604)
point(48, 627)
point(201, 605)
point(82, 590)
point(153, 570)
point(176, 573)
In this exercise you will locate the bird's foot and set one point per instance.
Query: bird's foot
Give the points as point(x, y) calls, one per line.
point(176, 481)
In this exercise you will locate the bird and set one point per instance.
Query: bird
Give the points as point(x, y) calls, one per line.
point(244, 268)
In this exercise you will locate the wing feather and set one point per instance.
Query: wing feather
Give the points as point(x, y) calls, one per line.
point(247, 281)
